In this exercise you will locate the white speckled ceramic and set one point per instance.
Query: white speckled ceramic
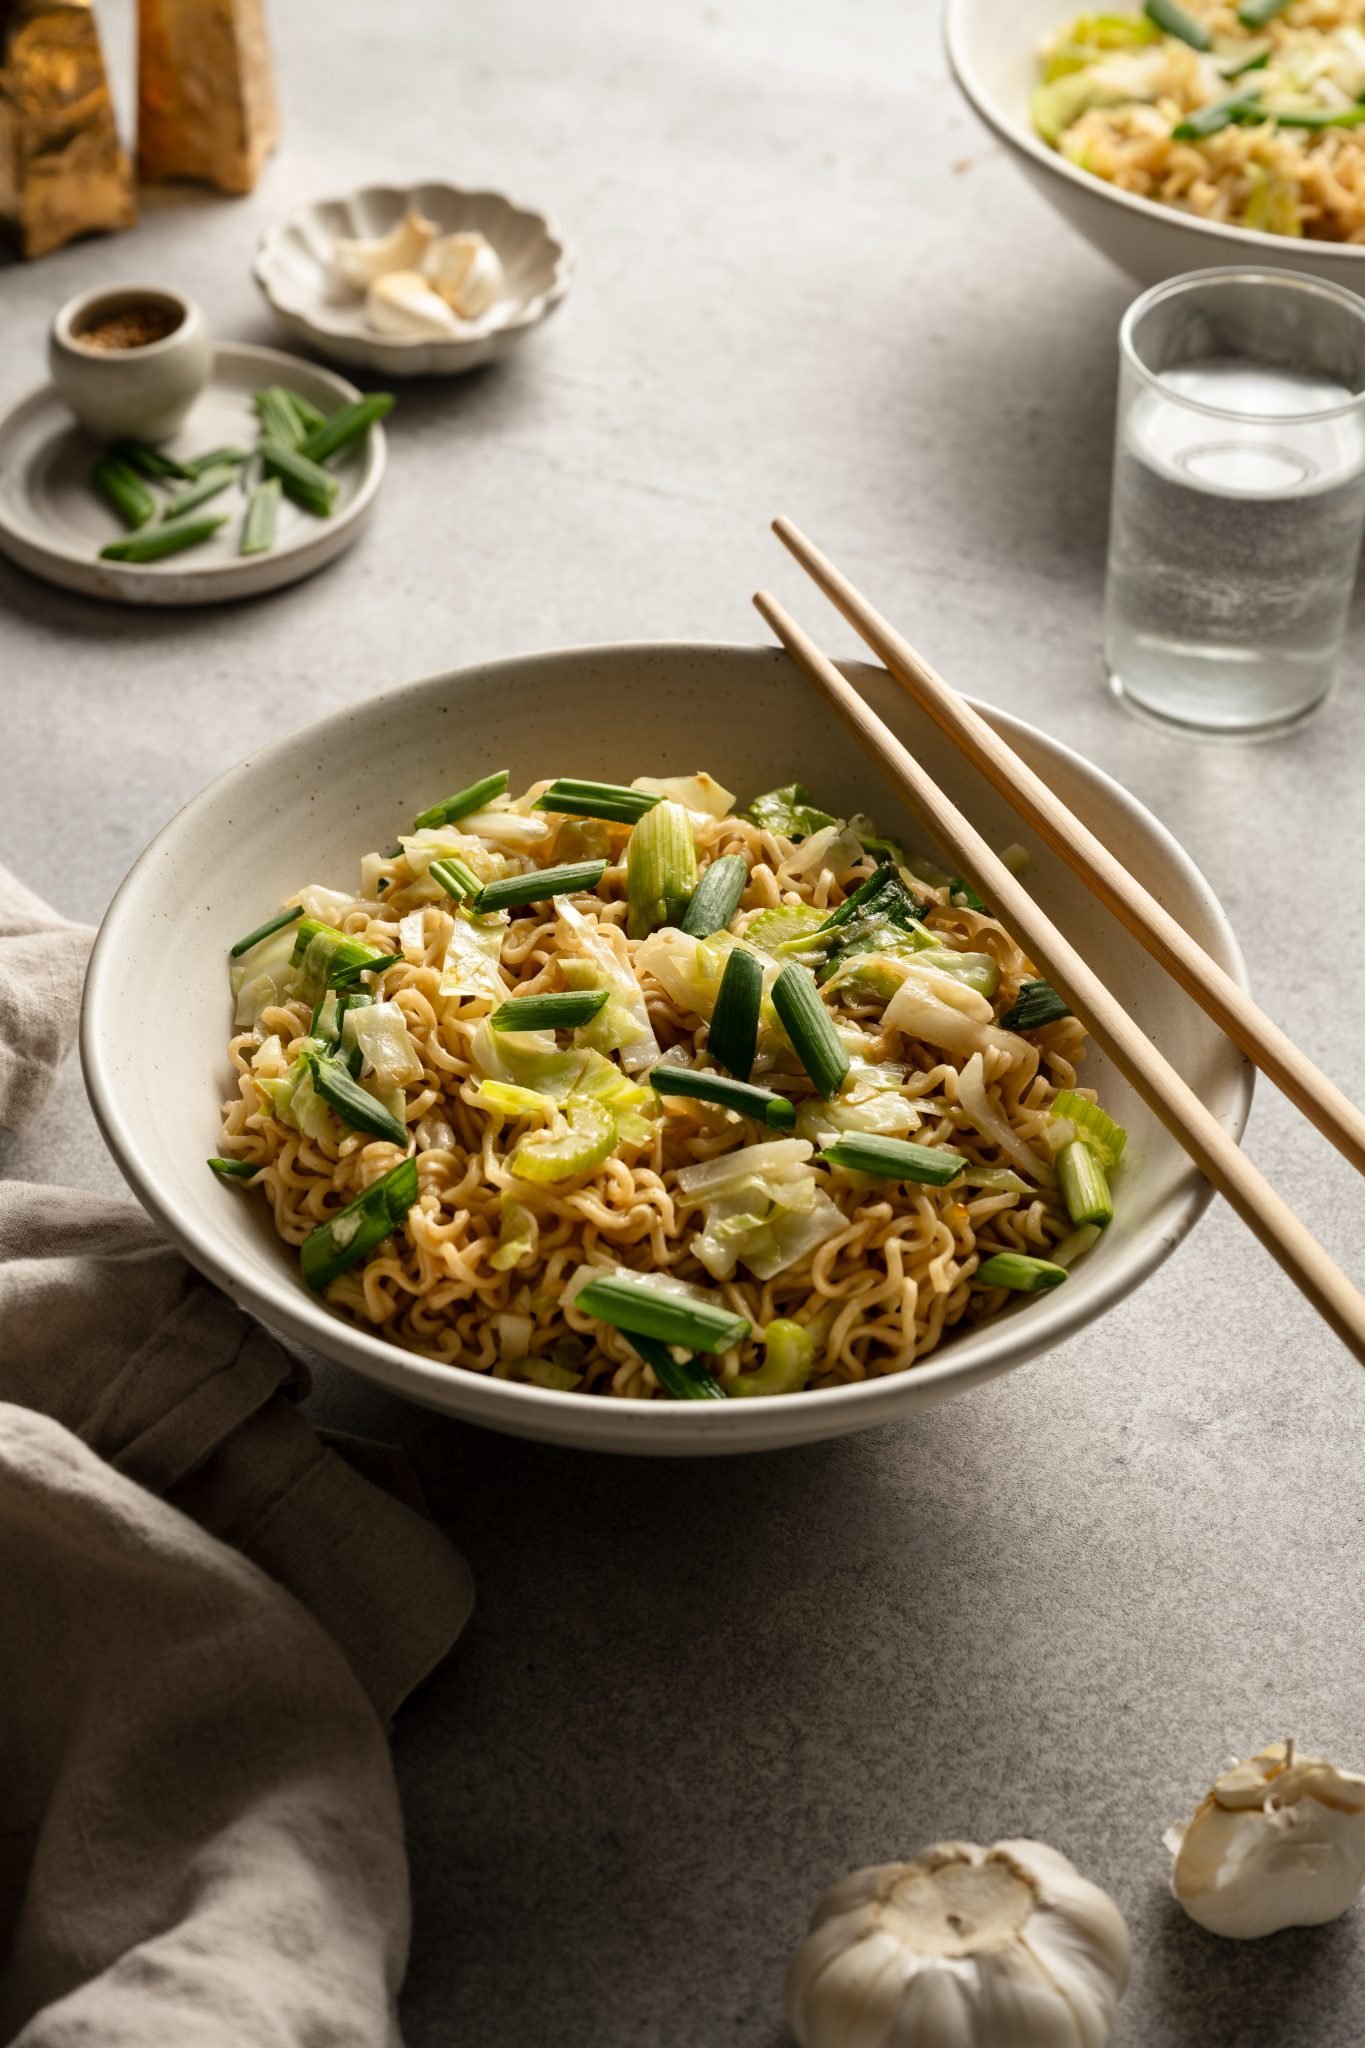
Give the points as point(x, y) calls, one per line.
point(295, 271)
point(157, 1015)
point(135, 394)
point(53, 523)
point(993, 51)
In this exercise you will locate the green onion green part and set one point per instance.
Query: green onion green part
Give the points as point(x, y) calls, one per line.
point(1092, 1123)
point(455, 878)
point(262, 512)
point(263, 931)
point(475, 798)
point(331, 959)
point(810, 1028)
point(1255, 14)
point(356, 1230)
point(234, 1169)
point(201, 490)
point(1209, 120)
point(1173, 21)
point(312, 488)
point(338, 1087)
point(733, 1037)
point(557, 1011)
point(690, 1382)
point(1302, 117)
point(159, 541)
point(1036, 1004)
point(1025, 1275)
point(639, 1307)
point(762, 1104)
point(716, 896)
point(347, 424)
point(121, 486)
point(895, 1159)
point(661, 869)
point(509, 891)
point(574, 799)
point(214, 460)
point(279, 420)
point(151, 462)
point(1084, 1184)
point(1256, 63)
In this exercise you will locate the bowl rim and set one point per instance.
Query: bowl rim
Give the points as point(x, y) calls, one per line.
point(279, 1302)
point(531, 314)
point(1020, 136)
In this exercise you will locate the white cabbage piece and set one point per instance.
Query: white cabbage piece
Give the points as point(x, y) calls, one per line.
point(442, 842)
point(471, 966)
point(834, 847)
point(262, 976)
point(700, 793)
point(525, 1059)
point(381, 1032)
point(328, 906)
point(941, 1010)
point(508, 831)
point(769, 1161)
point(767, 1226)
point(886, 1115)
point(688, 970)
point(587, 939)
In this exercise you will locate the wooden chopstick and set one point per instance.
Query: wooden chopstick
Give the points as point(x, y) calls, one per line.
point(1158, 1083)
point(1230, 1007)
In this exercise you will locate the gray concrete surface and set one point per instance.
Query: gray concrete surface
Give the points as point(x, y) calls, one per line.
point(693, 1697)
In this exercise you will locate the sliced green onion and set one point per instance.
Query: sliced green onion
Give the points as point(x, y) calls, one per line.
point(1025, 1275)
point(159, 541)
point(810, 1028)
point(661, 869)
point(214, 458)
point(960, 887)
point(455, 878)
point(151, 462)
point(1084, 1184)
point(509, 891)
point(716, 896)
point(1303, 117)
point(883, 892)
point(280, 419)
point(632, 1303)
point(338, 1087)
point(121, 486)
point(200, 491)
point(234, 1169)
point(334, 957)
point(1209, 120)
point(1076, 1245)
point(362, 1225)
point(733, 1037)
point(306, 484)
point(760, 1103)
point(1173, 21)
point(262, 512)
point(475, 798)
point(347, 424)
point(309, 416)
point(895, 1159)
point(1256, 63)
point(572, 798)
point(1092, 1123)
point(557, 1011)
point(263, 931)
point(690, 1382)
point(1036, 1004)
point(1256, 13)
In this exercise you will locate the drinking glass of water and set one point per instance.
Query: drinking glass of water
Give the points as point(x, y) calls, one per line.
point(1239, 498)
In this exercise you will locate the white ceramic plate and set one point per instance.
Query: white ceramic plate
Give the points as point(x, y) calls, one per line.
point(53, 522)
point(157, 1016)
point(993, 50)
point(294, 269)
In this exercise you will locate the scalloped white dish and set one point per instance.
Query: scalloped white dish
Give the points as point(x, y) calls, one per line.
point(294, 268)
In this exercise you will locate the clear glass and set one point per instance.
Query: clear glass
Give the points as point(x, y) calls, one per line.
point(1239, 499)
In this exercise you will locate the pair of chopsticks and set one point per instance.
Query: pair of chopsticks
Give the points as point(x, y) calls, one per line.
point(1156, 1081)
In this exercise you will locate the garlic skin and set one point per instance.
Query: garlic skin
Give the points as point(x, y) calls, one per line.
point(467, 271)
point(403, 304)
point(965, 1947)
point(1279, 1841)
point(361, 261)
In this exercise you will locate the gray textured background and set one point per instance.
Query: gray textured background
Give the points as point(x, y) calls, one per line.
point(694, 1696)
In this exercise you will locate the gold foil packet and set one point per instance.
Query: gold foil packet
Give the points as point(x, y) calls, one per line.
point(63, 171)
point(206, 92)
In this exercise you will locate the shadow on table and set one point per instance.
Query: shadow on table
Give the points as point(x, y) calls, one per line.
point(1289, 1988)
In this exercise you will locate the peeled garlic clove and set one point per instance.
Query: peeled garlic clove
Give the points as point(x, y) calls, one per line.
point(404, 304)
point(402, 248)
point(963, 1947)
point(467, 271)
point(1279, 1841)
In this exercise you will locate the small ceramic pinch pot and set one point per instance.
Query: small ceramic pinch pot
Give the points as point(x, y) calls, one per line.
point(130, 360)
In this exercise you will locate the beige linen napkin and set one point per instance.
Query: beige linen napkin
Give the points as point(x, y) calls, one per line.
point(199, 1840)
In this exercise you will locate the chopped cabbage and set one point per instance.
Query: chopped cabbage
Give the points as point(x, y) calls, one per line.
point(836, 847)
point(792, 812)
point(505, 1098)
point(715, 1176)
point(269, 1059)
point(508, 831)
point(755, 1225)
point(990, 1124)
point(699, 793)
point(440, 842)
point(940, 1010)
point(328, 906)
point(381, 1032)
point(528, 1059)
point(471, 966)
point(294, 1099)
point(887, 1115)
point(516, 1235)
point(584, 936)
point(787, 931)
point(264, 976)
point(688, 970)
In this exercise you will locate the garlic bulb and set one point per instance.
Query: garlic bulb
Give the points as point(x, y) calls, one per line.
point(467, 271)
point(1278, 1842)
point(361, 261)
point(404, 304)
point(1007, 1947)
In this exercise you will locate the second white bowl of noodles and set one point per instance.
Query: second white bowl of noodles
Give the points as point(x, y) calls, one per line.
point(157, 1016)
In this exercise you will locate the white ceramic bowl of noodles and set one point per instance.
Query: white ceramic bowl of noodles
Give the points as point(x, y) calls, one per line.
point(993, 51)
point(156, 1017)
